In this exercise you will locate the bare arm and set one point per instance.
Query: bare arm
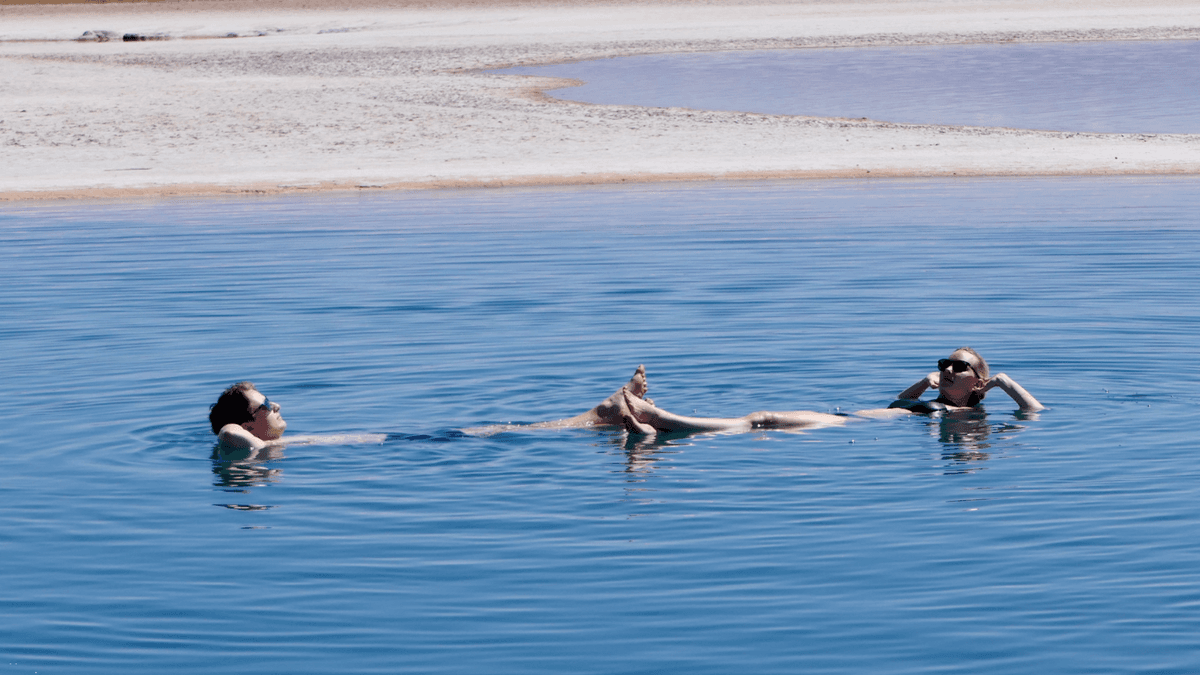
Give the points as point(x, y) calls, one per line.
point(234, 437)
point(644, 417)
point(914, 392)
point(235, 444)
point(646, 413)
point(1024, 399)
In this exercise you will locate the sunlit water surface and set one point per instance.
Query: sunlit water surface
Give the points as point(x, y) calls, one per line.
point(1065, 542)
point(1146, 87)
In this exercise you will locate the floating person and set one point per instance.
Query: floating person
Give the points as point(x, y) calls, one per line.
point(962, 381)
point(249, 426)
point(243, 418)
point(247, 423)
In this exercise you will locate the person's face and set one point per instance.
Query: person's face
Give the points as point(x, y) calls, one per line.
point(267, 423)
point(958, 381)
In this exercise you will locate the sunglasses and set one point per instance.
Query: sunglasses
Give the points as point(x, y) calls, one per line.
point(265, 405)
point(957, 366)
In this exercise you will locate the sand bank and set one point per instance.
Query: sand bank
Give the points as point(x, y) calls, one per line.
point(262, 97)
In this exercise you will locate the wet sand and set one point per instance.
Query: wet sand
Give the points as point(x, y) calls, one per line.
point(268, 97)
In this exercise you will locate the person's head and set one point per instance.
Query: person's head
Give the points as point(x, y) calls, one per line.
point(245, 406)
point(963, 376)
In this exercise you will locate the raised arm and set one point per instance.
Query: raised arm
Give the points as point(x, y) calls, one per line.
point(234, 437)
point(914, 392)
point(1025, 400)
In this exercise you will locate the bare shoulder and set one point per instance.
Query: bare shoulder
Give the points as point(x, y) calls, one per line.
point(335, 439)
point(234, 437)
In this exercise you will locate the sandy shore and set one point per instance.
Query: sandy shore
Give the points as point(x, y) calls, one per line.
point(260, 97)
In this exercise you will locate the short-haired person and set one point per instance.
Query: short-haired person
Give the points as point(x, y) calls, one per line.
point(243, 418)
point(245, 421)
point(962, 382)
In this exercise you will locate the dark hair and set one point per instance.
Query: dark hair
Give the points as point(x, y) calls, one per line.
point(233, 407)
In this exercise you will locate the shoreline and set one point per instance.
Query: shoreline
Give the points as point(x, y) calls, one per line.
point(181, 191)
point(362, 96)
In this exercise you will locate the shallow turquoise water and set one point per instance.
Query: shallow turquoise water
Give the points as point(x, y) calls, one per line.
point(1142, 87)
point(1063, 542)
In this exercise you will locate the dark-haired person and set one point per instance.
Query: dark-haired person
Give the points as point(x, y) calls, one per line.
point(961, 380)
point(244, 419)
point(249, 427)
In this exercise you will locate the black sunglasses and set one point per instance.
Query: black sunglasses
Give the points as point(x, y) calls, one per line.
point(957, 366)
point(265, 405)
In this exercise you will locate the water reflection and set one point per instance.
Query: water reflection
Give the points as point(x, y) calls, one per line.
point(245, 467)
point(245, 470)
point(644, 453)
point(964, 438)
point(246, 507)
point(964, 435)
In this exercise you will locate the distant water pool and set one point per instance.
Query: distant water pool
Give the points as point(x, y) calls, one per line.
point(1062, 542)
point(1144, 87)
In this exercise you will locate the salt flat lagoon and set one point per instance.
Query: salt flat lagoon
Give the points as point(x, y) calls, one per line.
point(992, 543)
point(1110, 87)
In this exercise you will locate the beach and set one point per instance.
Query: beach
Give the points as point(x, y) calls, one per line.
point(190, 98)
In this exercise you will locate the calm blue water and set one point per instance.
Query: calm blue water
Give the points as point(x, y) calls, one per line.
point(1147, 87)
point(1064, 542)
